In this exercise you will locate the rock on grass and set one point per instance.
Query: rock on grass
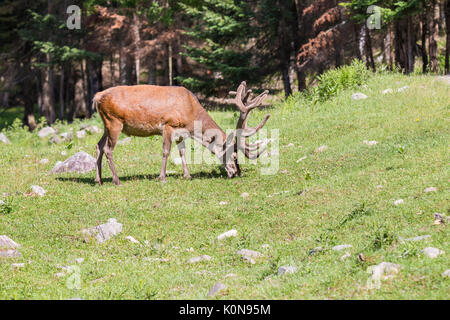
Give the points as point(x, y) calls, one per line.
point(286, 269)
point(228, 234)
point(38, 190)
point(383, 270)
point(430, 189)
point(199, 259)
point(104, 231)
point(44, 132)
point(249, 253)
point(216, 289)
point(80, 162)
point(4, 139)
point(432, 253)
point(358, 96)
point(341, 247)
point(8, 247)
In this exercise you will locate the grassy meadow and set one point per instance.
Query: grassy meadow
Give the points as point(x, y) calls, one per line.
point(342, 195)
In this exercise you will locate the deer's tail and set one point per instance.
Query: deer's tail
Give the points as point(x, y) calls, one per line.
point(96, 100)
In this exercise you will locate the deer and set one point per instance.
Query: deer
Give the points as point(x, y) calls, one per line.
point(147, 110)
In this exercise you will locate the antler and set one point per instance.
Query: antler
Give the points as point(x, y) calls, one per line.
point(245, 105)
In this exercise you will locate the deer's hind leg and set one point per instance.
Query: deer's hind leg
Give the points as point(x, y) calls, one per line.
point(114, 131)
point(100, 151)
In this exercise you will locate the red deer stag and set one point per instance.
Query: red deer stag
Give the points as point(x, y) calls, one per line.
point(146, 110)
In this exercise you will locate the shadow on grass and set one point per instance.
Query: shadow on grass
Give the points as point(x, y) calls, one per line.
point(197, 175)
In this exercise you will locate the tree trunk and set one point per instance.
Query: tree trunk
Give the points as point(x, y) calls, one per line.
point(400, 46)
point(61, 95)
point(424, 31)
point(152, 73)
point(447, 42)
point(410, 46)
point(387, 49)
point(369, 54)
point(137, 41)
point(80, 109)
point(48, 107)
point(433, 35)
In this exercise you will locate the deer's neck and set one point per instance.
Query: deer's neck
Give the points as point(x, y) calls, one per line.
point(212, 136)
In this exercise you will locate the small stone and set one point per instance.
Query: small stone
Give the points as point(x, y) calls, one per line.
point(216, 289)
point(66, 136)
point(223, 203)
point(418, 238)
point(38, 190)
point(80, 162)
point(44, 161)
point(44, 132)
point(81, 134)
point(249, 253)
point(265, 246)
point(56, 140)
point(9, 253)
point(228, 234)
point(345, 256)
point(383, 270)
point(439, 218)
point(199, 259)
point(8, 243)
point(230, 275)
point(399, 201)
point(370, 143)
point(244, 195)
point(105, 231)
point(286, 269)
point(379, 186)
point(290, 145)
point(388, 90)
point(446, 273)
point(18, 265)
point(430, 189)
point(124, 141)
point(321, 149)
point(92, 129)
point(131, 239)
point(358, 96)
point(301, 159)
point(342, 247)
point(4, 139)
point(402, 88)
point(248, 259)
point(79, 260)
point(432, 253)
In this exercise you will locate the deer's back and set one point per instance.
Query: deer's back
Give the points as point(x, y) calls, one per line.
point(144, 110)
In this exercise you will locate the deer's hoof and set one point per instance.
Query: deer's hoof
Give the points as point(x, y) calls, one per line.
point(162, 179)
point(99, 181)
point(187, 177)
point(117, 183)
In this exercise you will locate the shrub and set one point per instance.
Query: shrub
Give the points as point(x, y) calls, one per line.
point(335, 81)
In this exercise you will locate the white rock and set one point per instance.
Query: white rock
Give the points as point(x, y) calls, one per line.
point(9, 253)
point(228, 234)
point(4, 139)
point(223, 203)
point(44, 161)
point(230, 275)
point(290, 145)
point(38, 190)
point(17, 265)
point(2, 202)
point(418, 238)
point(81, 134)
point(92, 129)
point(265, 246)
point(358, 96)
point(286, 269)
point(66, 136)
point(216, 289)
point(44, 132)
point(388, 90)
point(199, 259)
point(321, 149)
point(342, 247)
point(249, 260)
point(432, 253)
point(131, 239)
point(79, 260)
point(64, 153)
point(301, 159)
point(345, 256)
point(446, 273)
point(8, 243)
point(105, 231)
point(244, 195)
point(80, 162)
point(402, 88)
point(383, 270)
point(399, 201)
point(370, 143)
point(430, 189)
point(249, 253)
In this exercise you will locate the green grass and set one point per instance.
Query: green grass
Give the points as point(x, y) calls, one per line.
point(332, 198)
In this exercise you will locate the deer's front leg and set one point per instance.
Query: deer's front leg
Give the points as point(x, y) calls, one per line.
point(167, 143)
point(182, 149)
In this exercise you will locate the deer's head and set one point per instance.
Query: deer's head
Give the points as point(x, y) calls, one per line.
point(237, 139)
